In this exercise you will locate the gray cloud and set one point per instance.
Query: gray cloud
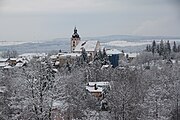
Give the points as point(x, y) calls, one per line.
point(28, 20)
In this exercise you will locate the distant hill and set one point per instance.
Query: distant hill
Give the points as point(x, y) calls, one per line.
point(64, 43)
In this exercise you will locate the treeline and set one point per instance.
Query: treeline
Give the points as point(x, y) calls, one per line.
point(163, 48)
point(9, 54)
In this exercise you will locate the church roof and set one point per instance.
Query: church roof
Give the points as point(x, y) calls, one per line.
point(87, 45)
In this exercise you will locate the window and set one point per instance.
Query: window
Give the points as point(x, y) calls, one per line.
point(74, 44)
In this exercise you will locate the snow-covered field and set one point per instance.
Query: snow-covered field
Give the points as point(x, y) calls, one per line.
point(5, 43)
point(122, 43)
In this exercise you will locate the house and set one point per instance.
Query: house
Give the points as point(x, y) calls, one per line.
point(3, 62)
point(64, 58)
point(53, 58)
point(131, 56)
point(114, 56)
point(98, 89)
point(12, 61)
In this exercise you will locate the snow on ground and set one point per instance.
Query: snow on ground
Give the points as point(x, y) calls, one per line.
point(5, 43)
point(126, 43)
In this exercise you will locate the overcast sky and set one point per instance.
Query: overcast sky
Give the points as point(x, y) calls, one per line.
point(31, 20)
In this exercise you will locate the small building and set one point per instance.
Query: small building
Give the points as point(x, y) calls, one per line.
point(64, 58)
point(3, 62)
point(114, 56)
point(12, 61)
point(98, 89)
point(130, 56)
point(95, 91)
point(53, 58)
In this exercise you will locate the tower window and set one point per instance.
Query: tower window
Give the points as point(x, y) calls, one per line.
point(74, 44)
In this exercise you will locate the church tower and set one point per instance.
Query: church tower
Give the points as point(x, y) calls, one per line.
point(74, 40)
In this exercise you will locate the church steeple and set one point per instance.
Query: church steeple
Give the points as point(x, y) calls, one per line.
point(74, 40)
point(75, 30)
point(75, 35)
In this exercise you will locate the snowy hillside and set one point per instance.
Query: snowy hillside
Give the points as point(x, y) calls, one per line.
point(128, 43)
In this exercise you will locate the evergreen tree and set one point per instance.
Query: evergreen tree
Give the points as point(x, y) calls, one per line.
point(168, 47)
point(178, 50)
point(150, 48)
point(161, 46)
point(147, 48)
point(174, 47)
point(158, 48)
point(105, 57)
point(84, 54)
point(68, 66)
point(153, 47)
point(100, 55)
point(104, 53)
point(95, 56)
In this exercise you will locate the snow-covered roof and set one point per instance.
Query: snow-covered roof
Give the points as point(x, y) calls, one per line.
point(33, 54)
point(70, 55)
point(29, 56)
point(55, 70)
point(87, 45)
point(19, 64)
point(112, 51)
point(174, 61)
point(133, 55)
point(57, 63)
point(99, 83)
point(3, 64)
point(53, 56)
point(91, 89)
point(14, 59)
point(3, 59)
point(19, 59)
point(8, 67)
point(106, 66)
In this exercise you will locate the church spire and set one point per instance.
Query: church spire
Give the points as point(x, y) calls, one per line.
point(75, 35)
point(75, 30)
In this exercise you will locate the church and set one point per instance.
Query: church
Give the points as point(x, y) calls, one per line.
point(77, 45)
